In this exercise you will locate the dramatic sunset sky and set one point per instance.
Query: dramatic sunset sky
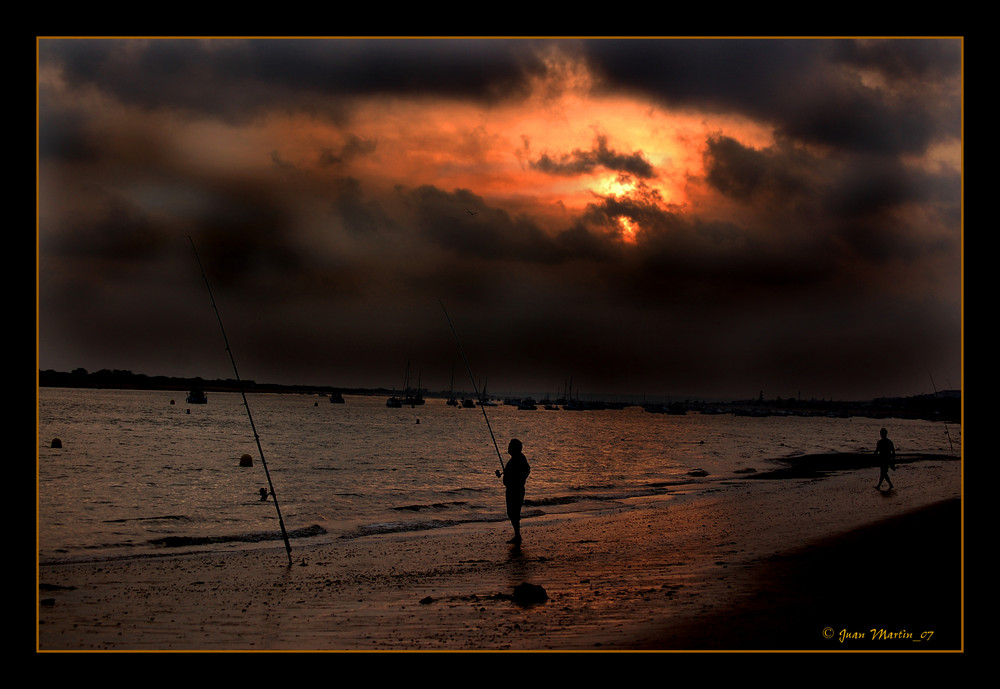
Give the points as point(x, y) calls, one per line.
point(684, 217)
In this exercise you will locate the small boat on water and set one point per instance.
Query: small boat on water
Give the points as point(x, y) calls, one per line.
point(410, 398)
point(197, 396)
point(485, 401)
point(414, 398)
point(336, 398)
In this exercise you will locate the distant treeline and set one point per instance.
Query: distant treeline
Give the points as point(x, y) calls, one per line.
point(945, 405)
point(126, 380)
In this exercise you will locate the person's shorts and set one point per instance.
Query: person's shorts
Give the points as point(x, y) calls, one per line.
point(515, 498)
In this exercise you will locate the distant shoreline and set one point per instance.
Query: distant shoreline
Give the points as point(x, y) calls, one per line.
point(945, 405)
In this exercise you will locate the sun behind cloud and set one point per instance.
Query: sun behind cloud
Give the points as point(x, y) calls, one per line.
point(629, 229)
point(616, 185)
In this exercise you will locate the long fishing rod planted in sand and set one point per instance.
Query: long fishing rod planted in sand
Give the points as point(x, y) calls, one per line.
point(246, 405)
point(474, 386)
point(947, 432)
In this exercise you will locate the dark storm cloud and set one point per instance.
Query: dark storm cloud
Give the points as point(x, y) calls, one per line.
point(600, 155)
point(856, 200)
point(243, 79)
point(462, 223)
point(421, 67)
point(741, 172)
point(876, 185)
point(800, 86)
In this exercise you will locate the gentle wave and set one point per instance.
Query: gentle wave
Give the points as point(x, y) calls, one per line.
point(182, 541)
point(166, 517)
point(433, 506)
point(403, 527)
point(382, 528)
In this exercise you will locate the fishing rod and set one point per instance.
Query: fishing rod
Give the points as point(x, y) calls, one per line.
point(946, 431)
point(246, 405)
point(474, 386)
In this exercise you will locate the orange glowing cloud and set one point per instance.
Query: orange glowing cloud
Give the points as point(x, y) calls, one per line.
point(549, 154)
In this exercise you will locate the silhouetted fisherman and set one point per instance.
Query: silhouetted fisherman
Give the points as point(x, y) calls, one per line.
point(886, 452)
point(514, 476)
point(263, 494)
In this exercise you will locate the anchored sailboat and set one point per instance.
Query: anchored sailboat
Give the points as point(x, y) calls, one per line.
point(409, 398)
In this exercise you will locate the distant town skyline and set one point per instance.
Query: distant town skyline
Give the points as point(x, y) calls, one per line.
point(688, 217)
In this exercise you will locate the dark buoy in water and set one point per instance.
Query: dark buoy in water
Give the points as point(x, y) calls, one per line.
point(171, 401)
point(56, 443)
point(246, 461)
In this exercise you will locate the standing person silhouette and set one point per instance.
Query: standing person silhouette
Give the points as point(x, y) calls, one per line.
point(514, 475)
point(886, 452)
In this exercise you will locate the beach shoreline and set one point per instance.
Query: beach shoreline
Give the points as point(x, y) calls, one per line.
point(744, 565)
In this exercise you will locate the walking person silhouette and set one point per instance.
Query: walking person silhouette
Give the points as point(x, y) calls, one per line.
point(886, 452)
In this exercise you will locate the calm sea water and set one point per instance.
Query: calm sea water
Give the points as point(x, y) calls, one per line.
point(142, 473)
